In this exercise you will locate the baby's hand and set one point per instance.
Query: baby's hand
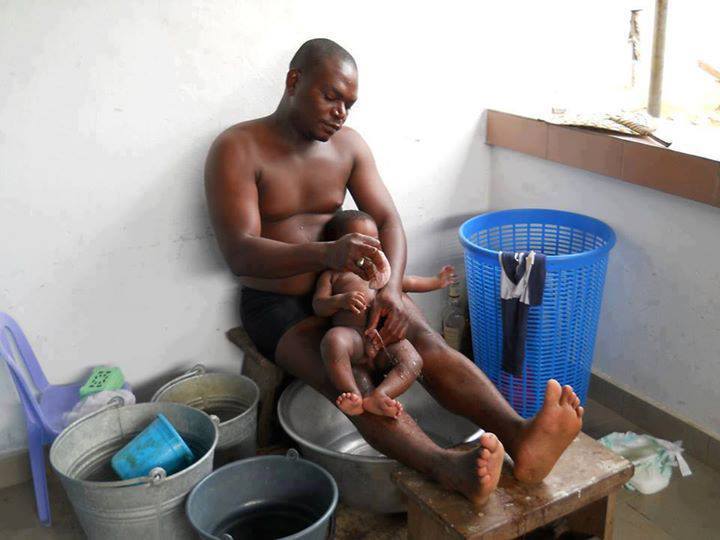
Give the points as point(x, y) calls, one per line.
point(373, 343)
point(354, 301)
point(447, 276)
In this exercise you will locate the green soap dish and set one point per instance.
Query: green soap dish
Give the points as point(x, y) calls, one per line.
point(102, 378)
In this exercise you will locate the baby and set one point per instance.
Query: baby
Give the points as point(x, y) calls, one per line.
point(345, 297)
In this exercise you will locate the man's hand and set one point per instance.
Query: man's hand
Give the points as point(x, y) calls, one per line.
point(355, 253)
point(354, 301)
point(388, 304)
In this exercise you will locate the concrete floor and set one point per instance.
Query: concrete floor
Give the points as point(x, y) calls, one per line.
point(688, 508)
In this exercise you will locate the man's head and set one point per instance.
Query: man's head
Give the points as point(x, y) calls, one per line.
point(350, 221)
point(320, 88)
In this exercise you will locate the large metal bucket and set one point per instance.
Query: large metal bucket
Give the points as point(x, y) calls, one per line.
point(146, 508)
point(280, 497)
point(327, 437)
point(232, 398)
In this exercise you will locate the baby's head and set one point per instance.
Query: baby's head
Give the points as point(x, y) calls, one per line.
point(350, 221)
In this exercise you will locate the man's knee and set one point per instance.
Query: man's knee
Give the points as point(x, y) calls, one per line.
point(430, 345)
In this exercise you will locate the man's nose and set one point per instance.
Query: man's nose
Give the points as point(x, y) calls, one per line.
point(340, 112)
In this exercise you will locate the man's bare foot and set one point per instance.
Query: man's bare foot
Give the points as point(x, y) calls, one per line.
point(382, 404)
point(546, 436)
point(350, 403)
point(474, 473)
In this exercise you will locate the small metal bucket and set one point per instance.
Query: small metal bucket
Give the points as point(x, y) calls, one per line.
point(281, 497)
point(232, 398)
point(149, 507)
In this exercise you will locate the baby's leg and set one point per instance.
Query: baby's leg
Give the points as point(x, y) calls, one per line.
point(406, 365)
point(339, 347)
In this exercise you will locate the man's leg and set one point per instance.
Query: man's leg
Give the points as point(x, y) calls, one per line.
point(474, 473)
point(535, 445)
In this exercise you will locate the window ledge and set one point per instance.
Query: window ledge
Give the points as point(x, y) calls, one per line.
point(638, 160)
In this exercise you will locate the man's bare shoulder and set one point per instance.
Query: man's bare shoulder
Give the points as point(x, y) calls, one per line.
point(240, 139)
point(349, 138)
point(239, 146)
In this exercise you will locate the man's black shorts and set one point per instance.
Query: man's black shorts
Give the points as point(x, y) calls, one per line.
point(266, 316)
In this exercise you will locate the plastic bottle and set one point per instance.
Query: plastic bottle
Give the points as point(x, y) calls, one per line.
point(453, 318)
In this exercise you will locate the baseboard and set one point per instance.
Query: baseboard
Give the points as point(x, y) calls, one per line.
point(656, 419)
point(14, 468)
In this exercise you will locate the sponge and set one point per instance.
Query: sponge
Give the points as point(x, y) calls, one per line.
point(102, 378)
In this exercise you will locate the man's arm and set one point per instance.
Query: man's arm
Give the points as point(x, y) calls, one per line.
point(232, 196)
point(372, 196)
point(327, 304)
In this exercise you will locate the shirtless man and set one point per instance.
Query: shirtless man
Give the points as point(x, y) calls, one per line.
point(271, 184)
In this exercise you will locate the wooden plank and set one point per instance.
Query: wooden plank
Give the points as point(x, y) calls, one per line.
point(269, 379)
point(424, 526)
point(596, 518)
point(680, 171)
point(672, 172)
point(517, 133)
point(585, 473)
point(586, 150)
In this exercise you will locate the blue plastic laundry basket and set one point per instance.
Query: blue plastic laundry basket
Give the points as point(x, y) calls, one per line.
point(561, 331)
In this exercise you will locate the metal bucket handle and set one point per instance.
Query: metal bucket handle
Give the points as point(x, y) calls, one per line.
point(197, 369)
point(115, 401)
point(156, 477)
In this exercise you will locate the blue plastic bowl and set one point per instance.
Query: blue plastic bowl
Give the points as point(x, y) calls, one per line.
point(158, 445)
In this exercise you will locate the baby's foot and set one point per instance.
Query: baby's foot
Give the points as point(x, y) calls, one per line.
point(546, 436)
point(474, 473)
point(350, 403)
point(382, 405)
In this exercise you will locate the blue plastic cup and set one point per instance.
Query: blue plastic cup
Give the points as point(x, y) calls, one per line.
point(158, 445)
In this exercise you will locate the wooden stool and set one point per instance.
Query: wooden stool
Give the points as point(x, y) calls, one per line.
point(583, 486)
point(270, 379)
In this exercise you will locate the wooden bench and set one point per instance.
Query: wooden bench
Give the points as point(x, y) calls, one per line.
point(271, 381)
point(582, 487)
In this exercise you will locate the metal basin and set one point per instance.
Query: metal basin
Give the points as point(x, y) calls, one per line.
point(328, 438)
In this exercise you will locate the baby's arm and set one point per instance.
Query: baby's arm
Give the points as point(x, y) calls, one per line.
point(445, 277)
point(327, 304)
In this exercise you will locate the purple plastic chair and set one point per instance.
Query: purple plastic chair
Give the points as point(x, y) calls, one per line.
point(43, 413)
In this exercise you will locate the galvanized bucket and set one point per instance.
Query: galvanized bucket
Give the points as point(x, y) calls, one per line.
point(147, 508)
point(280, 497)
point(232, 398)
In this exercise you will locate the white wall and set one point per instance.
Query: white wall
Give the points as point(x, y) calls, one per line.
point(659, 331)
point(106, 113)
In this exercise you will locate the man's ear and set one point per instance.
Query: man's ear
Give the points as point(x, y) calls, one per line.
point(291, 81)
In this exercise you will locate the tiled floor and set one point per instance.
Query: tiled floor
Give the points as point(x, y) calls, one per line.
point(688, 509)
